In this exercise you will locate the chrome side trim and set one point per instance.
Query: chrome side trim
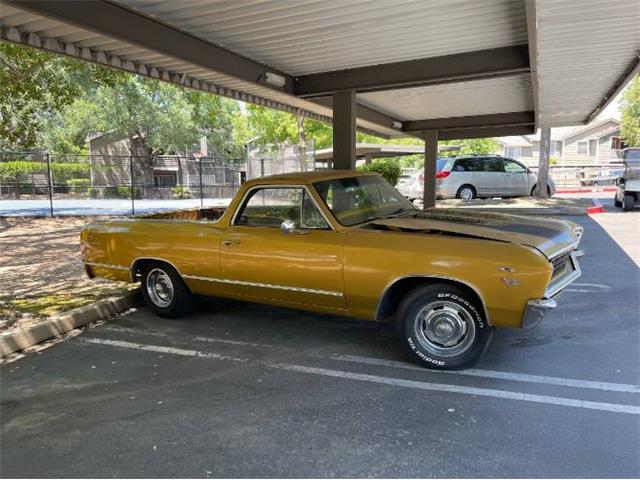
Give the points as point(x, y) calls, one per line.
point(451, 279)
point(106, 265)
point(264, 285)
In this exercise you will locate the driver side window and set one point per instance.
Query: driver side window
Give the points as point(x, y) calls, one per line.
point(513, 167)
point(270, 206)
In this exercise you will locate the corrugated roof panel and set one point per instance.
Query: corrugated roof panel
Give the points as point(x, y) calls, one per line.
point(479, 97)
point(583, 49)
point(310, 36)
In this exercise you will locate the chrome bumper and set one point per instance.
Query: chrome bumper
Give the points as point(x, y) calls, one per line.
point(536, 310)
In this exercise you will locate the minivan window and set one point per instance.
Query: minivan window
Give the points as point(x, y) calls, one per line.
point(465, 165)
point(492, 165)
point(513, 167)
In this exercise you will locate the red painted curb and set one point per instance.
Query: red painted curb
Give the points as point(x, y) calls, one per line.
point(597, 207)
point(585, 190)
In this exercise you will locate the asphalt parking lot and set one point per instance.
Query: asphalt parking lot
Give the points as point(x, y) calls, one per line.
point(242, 390)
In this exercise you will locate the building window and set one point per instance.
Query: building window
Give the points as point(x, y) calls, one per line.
point(512, 152)
point(593, 145)
point(165, 179)
point(583, 148)
point(616, 143)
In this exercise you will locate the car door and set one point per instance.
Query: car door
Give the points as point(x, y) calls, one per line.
point(260, 260)
point(490, 176)
point(516, 178)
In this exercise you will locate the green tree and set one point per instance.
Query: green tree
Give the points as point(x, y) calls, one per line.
point(630, 118)
point(36, 86)
point(389, 168)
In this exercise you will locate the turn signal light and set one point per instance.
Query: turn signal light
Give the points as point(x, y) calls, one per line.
point(443, 174)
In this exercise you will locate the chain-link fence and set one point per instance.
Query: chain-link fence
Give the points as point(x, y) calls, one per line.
point(273, 160)
point(57, 184)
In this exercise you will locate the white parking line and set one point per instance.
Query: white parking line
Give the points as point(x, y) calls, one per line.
point(472, 372)
point(160, 349)
point(442, 387)
point(518, 377)
point(485, 392)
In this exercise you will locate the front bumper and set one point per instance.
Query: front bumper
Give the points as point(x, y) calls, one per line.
point(536, 310)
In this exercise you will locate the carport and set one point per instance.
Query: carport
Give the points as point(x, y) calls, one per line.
point(432, 70)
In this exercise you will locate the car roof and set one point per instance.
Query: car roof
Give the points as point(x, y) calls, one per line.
point(308, 177)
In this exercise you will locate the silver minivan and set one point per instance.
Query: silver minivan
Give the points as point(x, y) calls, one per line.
point(473, 176)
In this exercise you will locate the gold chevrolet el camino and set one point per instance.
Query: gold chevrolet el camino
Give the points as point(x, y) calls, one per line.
point(348, 243)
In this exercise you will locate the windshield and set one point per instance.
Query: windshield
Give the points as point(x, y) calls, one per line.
point(361, 199)
point(632, 164)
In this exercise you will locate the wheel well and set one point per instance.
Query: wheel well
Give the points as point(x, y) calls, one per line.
point(392, 297)
point(139, 264)
point(533, 189)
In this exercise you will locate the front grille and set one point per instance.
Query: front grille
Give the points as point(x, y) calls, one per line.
point(560, 264)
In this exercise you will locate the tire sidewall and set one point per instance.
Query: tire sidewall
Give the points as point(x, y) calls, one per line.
point(418, 299)
point(181, 294)
point(473, 191)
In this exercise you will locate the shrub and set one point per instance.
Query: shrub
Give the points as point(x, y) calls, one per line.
point(94, 193)
point(388, 168)
point(181, 192)
point(125, 192)
point(78, 185)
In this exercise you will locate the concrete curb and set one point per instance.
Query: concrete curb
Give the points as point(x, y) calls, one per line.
point(19, 340)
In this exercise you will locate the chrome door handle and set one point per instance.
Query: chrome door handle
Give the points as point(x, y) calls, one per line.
point(228, 243)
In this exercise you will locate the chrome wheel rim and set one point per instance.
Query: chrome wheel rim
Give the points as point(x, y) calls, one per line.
point(445, 328)
point(466, 194)
point(160, 288)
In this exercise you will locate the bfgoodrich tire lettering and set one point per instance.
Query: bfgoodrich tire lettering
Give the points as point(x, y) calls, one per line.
point(442, 327)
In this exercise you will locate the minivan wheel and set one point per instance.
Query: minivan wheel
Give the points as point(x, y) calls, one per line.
point(628, 202)
point(164, 291)
point(466, 192)
point(442, 327)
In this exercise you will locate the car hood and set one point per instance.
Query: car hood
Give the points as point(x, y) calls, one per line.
point(546, 235)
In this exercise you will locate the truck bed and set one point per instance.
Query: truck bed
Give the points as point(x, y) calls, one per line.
point(193, 214)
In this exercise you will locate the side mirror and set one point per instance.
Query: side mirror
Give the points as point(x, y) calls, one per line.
point(288, 226)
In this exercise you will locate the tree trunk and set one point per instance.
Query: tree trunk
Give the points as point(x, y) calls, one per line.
point(142, 165)
point(543, 164)
point(302, 143)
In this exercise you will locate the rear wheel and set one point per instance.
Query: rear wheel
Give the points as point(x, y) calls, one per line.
point(466, 192)
point(442, 327)
point(164, 291)
point(628, 202)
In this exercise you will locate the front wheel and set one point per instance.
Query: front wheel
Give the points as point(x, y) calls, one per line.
point(164, 291)
point(443, 327)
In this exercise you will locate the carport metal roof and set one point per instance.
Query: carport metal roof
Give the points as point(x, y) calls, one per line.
point(464, 67)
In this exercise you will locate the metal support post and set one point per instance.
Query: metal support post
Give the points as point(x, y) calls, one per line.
point(50, 181)
point(131, 187)
point(344, 130)
point(430, 159)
